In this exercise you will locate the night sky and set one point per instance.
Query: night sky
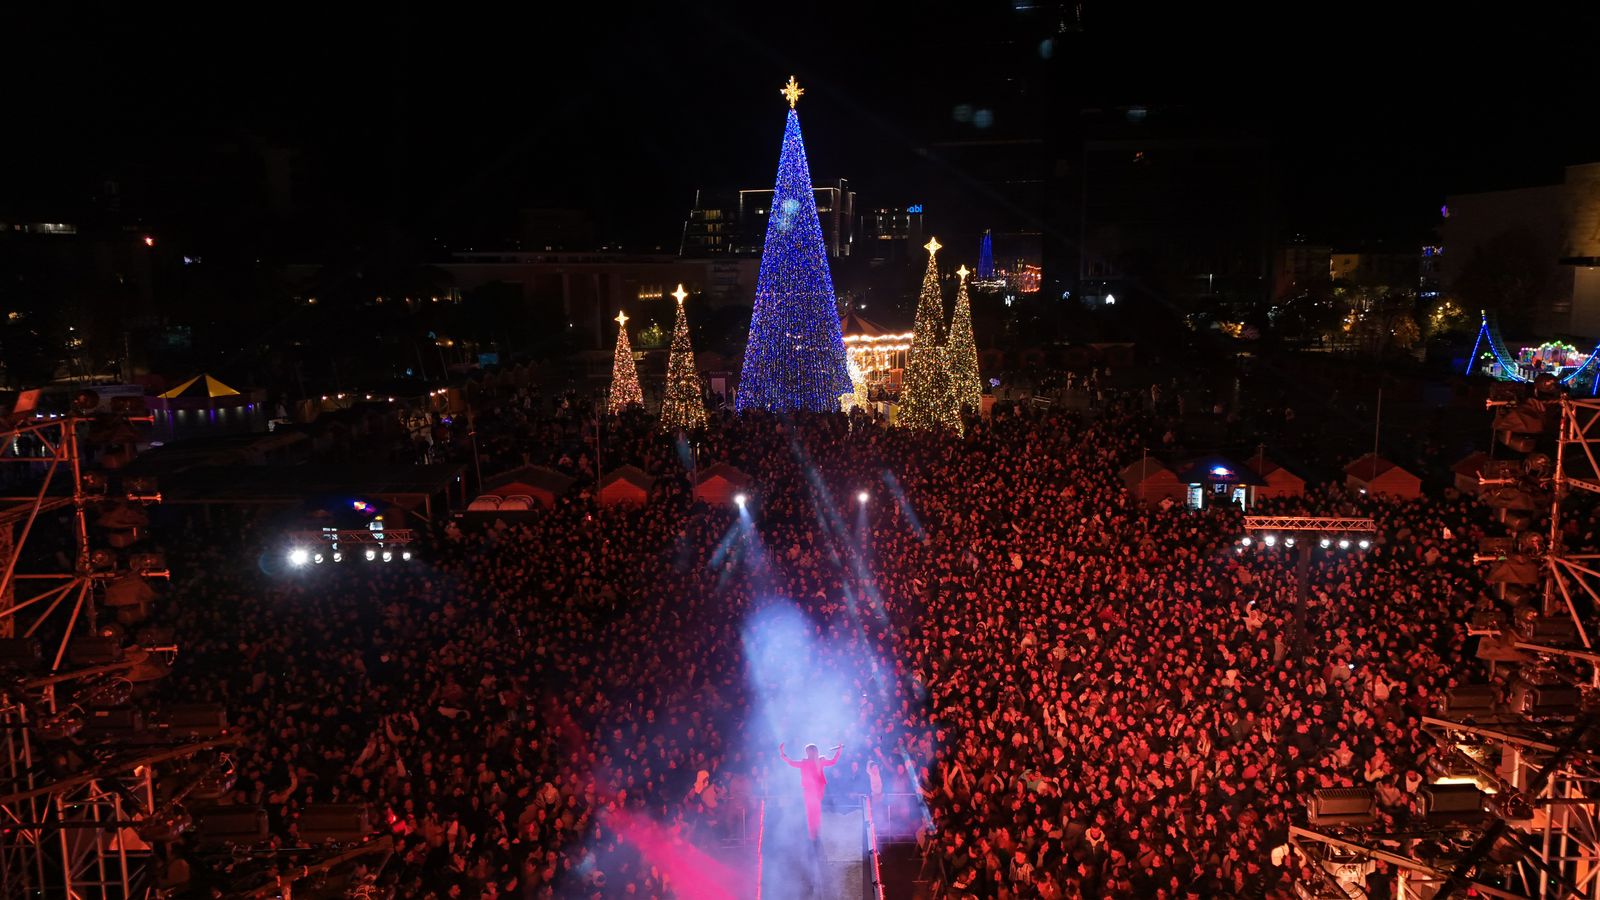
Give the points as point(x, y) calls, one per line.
point(443, 122)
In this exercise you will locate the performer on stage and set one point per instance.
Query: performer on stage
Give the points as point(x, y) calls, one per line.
point(814, 781)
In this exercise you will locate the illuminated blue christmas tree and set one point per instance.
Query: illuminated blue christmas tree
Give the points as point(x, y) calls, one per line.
point(795, 357)
point(986, 256)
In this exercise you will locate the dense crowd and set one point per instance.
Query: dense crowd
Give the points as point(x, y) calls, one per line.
point(1091, 698)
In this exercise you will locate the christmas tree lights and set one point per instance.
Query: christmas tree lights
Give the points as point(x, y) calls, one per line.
point(986, 257)
point(795, 358)
point(962, 353)
point(625, 390)
point(925, 397)
point(682, 409)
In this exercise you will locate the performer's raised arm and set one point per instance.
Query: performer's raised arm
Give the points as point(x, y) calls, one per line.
point(838, 749)
point(786, 757)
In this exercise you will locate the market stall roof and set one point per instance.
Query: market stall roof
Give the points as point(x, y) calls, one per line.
point(519, 479)
point(632, 474)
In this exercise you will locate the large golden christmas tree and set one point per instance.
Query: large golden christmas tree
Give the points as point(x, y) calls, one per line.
point(682, 409)
point(625, 390)
point(925, 389)
point(961, 350)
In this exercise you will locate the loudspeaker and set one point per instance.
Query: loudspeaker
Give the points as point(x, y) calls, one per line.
point(195, 719)
point(322, 823)
point(113, 722)
point(1468, 699)
point(231, 825)
point(1452, 801)
point(1546, 699)
point(94, 651)
point(1342, 806)
point(1556, 630)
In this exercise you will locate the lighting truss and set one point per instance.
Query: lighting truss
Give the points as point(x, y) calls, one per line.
point(1543, 767)
point(1323, 524)
point(52, 444)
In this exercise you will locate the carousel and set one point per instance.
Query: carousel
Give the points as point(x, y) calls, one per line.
point(876, 356)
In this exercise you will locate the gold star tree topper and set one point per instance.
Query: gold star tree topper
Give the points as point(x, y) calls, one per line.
point(792, 92)
point(932, 246)
point(622, 318)
point(680, 293)
point(963, 271)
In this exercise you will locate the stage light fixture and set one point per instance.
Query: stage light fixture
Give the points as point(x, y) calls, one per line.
point(863, 497)
point(1363, 543)
point(405, 555)
point(299, 556)
point(1344, 543)
point(740, 500)
point(371, 555)
point(1270, 540)
point(1288, 542)
point(1245, 540)
point(388, 556)
point(337, 556)
point(316, 558)
point(1326, 543)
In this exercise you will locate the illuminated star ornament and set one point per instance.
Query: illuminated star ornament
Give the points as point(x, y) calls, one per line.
point(792, 92)
point(932, 246)
point(680, 294)
point(963, 271)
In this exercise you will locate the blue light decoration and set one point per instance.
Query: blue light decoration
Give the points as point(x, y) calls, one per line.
point(986, 256)
point(914, 208)
point(795, 358)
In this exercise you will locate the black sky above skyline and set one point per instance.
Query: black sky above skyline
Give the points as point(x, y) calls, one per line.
point(451, 118)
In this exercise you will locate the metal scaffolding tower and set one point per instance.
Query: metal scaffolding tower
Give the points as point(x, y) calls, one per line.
point(1509, 807)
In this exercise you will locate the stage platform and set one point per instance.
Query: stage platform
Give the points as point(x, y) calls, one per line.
point(837, 867)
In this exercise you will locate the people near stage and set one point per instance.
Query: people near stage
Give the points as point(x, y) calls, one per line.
point(1089, 697)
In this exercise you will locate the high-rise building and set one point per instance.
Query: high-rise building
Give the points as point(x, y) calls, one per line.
point(1530, 254)
point(836, 211)
point(712, 228)
point(726, 222)
point(892, 233)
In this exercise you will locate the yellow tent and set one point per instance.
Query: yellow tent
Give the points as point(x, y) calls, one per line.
point(200, 387)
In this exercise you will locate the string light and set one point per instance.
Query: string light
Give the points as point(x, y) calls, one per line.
point(794, 359)
point(625, 391)
point(962, 350)
point(682, 408)
point(926, 401)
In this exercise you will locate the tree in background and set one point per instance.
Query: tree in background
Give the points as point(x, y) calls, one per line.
point(794, 359)
point(625, 391)
point(962, 351)
point(682, 409)
point(925, 395)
